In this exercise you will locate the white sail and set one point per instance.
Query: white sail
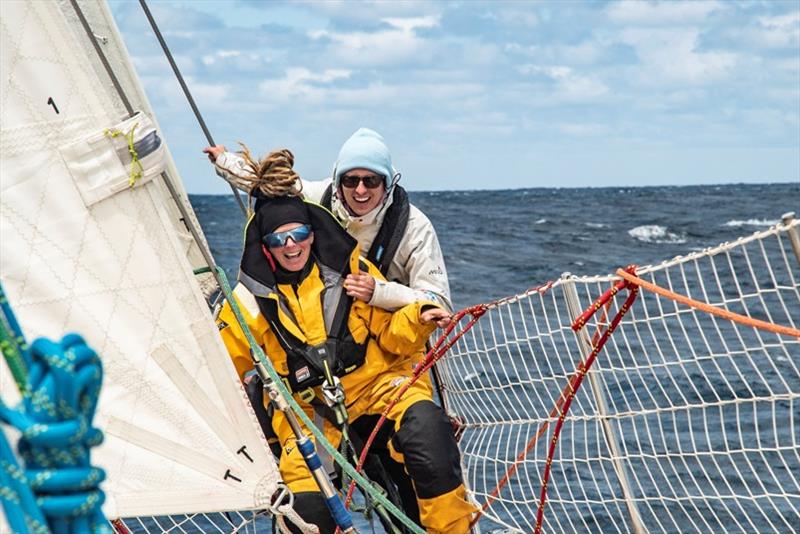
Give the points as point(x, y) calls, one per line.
point(82, 250)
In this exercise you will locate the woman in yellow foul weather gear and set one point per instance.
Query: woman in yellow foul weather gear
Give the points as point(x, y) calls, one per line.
point(295, 260)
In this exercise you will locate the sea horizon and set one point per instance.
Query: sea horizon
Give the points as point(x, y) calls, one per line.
point(575, 188)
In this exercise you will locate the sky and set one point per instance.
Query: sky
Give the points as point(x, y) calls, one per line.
point(484, 95)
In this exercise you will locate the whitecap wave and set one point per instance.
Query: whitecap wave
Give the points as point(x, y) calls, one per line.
point(541, 221)
point(469, 377)
point(652, 233)
point(596, 225)
point(751, 222)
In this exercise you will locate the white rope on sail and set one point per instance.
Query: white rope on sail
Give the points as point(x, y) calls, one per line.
point(687, 422)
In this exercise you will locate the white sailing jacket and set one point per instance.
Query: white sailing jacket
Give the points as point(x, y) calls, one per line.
point(417, 271)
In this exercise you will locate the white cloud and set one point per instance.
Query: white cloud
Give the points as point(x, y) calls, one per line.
point(583, 129)
point(669, 56)
point(148, 65)
point(166, 91)
point(300, 82)
point(474, 126)
point(211, 59)
point(381, 47)
point(587, 52)
point(780, 31)
point(569, 86)
point(661, 13)
point(244, 61)
point(301, 85)
point(209, 92)
point(408, 24)
point(514, 17)
point(370, 11)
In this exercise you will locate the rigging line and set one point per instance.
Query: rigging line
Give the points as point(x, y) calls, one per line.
point(102, 57)
point(176, 197)
point(602, 302)
point(573, 385)
point(186, 91)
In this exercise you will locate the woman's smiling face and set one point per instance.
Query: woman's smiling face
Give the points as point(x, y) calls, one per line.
point(293, 255)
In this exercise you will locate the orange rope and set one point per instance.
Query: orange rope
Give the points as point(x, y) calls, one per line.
point(119, 527)
point(708, 308)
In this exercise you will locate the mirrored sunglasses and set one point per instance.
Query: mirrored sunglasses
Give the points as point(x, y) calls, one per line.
point(278, 239)
point(370, 182)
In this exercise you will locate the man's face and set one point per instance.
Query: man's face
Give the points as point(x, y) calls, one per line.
point(358, 195)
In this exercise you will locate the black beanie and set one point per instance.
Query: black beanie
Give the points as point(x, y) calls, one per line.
point(277, 211)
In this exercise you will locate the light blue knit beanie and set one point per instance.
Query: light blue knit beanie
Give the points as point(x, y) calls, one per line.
point(365, 150)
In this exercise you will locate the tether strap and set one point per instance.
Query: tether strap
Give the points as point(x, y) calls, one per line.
point(392, 230)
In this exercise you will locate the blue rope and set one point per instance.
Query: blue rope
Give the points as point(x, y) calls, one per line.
point(54, 420)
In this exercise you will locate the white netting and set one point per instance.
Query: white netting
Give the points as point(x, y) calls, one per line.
point(225, 522)
point(686, 422)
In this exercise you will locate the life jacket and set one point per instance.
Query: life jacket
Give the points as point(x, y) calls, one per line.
point(391, 232)
point(339, 354)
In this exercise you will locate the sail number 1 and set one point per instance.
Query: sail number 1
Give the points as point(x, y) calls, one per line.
point(52, 102)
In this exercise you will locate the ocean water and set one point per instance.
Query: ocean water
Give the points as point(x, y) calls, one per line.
point(499, 243)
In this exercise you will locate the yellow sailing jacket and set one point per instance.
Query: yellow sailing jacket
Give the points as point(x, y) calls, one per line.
point(393, 339)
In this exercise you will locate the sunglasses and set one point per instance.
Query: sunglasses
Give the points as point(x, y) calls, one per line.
point(278, 239)
point(370, 182)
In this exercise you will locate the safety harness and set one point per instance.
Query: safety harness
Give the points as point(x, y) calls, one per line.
point(338, 355)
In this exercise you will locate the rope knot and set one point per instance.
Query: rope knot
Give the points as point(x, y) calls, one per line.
point(56, 433)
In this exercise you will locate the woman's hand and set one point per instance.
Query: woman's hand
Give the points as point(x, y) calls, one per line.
point(213, 152)
point(360, 286)
point(438, 315)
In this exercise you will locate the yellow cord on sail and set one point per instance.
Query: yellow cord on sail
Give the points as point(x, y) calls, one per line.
point(136, 169)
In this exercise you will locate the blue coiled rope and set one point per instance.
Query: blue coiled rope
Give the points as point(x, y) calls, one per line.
point(58, 491)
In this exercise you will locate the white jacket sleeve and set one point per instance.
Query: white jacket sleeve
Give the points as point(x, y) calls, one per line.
point(313, 191)
point(231, 167)
point(418, 271)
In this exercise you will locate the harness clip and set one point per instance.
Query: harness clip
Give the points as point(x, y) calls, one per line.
point(333, 393)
